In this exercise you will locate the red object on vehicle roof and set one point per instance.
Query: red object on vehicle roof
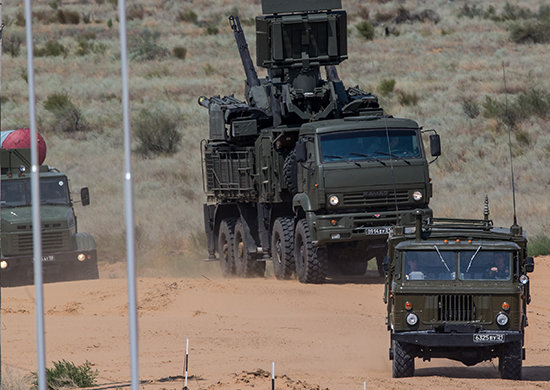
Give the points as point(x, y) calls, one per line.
point(21, 139)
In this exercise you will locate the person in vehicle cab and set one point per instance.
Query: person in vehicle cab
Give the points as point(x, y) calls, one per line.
point(500, 268)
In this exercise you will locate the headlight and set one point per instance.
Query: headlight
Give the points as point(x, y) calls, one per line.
point(412, 319)
point(333, 200)
point(81, 257)
point(417, 196)
point(502, 319)
point(3, 264)
point(524, 279)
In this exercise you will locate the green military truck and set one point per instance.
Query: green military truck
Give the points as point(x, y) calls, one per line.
point(457, 289)
point(66, 253)
point(306, 173)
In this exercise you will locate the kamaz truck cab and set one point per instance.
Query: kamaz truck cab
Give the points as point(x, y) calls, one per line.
point(66, 253)
point(457, 289)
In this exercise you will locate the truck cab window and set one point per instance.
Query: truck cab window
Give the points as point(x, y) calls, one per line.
point(54, 191)
point(486, 265)
point(14, 193)
point(428, 265)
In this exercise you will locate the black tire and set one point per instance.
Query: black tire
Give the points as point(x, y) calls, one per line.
point(510, 361)
point(290, 172)
point(90, 271)
point(245, 264)
point(225, 247)
point(282, 248)
point(403, 360)
point(311, 261)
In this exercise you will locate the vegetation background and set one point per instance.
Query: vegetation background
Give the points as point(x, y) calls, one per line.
point(439, 62)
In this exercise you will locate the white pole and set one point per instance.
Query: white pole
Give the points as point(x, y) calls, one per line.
point(186, 364)
point(35, 198)
point(129, 204)
point(272, 375)
point(365, 385)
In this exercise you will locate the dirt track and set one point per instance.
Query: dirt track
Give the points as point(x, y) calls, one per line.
point(319, 336)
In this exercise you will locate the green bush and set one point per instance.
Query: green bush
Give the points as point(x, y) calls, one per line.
point(145, 47)
point(86, 45)
point(51, 49)
point(66, 374)
point(408, 99)
point(68, 17)
point(179, 52)
point(188, 16)
point(533, 102)
point(67, 117)
point(135, 11)
point(212, 30)
point(157, 132)
point(366, 30)
point(532, 31)
point(386, 86)
point(470, 108)
point(540, 245)
point(11, 44)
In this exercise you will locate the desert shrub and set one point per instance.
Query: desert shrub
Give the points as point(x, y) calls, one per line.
point(533, 102)
point(54, 4)
point(531, 31)
point(87, 45)
point(408, 99)
point(366, 30)
point(386, 86)
point(110, 23)
point(467, 11)
point(11, 44)
point(67, 117)
point(209, 70)
point(179, 52)
point(67, 374)
point(145, 47)
point(188, 16)
point(135, 11)
point(20, 19)
point(68, 17)
point(470, 107)
point(540, 245)
point(157, 131)
point(51, 49)
point(114, 3)
point(212, 30)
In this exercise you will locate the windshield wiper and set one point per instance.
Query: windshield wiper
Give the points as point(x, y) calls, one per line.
point(441, 257)
point(472, 259)
point(369, 157)
point(342, 158)
point(394, 156)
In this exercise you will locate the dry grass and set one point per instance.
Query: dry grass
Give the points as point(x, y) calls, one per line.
point(442, 64)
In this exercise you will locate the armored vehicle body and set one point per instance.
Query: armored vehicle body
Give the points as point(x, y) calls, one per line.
point(66, 253)
point(458, 289)
point(306, 173)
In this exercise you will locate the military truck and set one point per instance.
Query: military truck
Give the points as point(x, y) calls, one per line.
point(306, 173)
point(66, 253)
point(457, 289)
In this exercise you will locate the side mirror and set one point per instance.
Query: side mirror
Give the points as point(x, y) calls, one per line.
point(435, 145)
point(85, 196)
point(301, 151)
point(529, 264)
point(386, 264)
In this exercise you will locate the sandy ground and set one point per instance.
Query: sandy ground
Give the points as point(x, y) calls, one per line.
point(330, 336)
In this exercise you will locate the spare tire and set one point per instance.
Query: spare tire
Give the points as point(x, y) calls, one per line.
point(290, 172)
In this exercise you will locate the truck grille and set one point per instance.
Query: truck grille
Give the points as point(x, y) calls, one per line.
point(375, 198)
point(50, 241)
point(455, 308)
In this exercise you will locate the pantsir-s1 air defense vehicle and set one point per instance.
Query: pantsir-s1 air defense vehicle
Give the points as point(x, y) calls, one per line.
point(306, 173)
point(66, 253)
point(458, 289)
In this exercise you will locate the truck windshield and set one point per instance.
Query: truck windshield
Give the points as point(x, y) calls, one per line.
point(369, 145)
point(17, 193)
point(442, 265)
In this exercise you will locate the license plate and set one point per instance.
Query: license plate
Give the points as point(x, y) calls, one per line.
point(488, 338)
point(379, 231)
point(48, 258)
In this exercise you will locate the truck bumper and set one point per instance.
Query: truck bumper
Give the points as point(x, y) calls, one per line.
point(19, 270)
point(433, 339)
point(373, 226)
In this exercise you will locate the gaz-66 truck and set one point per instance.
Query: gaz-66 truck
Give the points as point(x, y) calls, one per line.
point(306, 172)
point(66, 253)
point(458, 289)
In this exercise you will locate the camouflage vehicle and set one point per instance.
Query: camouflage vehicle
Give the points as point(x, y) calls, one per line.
point(66, 253)
point(306, 173)
point(457, 289)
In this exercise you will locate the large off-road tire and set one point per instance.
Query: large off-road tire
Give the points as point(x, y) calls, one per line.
point(245, 264)
point(90, 270)
point(225, 247)
point(282, 247)
point(290, 172)
point(311, 261)
point(403, 360)
point(510, 361)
